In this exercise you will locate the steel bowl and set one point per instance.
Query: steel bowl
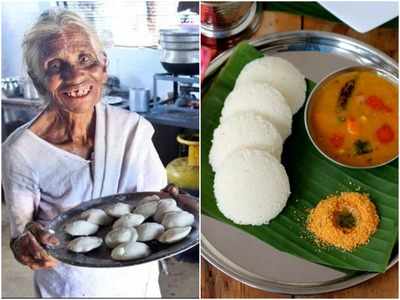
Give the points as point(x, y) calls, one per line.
point(307, 112)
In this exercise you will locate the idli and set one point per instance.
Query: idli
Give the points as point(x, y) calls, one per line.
point(130, 250)
point(84, 244)
point(263, 99)
point(251, 187)
point(247, 130)
point(81, 227)
point(281, 74)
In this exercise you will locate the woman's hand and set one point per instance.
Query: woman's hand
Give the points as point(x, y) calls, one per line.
point(28, 249)
point(171, 189)
point(182, 197)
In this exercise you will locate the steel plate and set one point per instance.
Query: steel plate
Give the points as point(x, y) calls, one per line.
point(100, 257)
point(243, 256)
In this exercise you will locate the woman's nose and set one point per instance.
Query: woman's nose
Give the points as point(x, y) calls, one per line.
point(71, 73)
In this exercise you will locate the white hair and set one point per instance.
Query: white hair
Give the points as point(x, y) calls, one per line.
point(49, 24)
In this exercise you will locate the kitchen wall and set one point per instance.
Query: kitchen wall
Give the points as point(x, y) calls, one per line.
point(134, 66)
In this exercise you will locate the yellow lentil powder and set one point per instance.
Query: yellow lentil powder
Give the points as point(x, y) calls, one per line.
point(323, 220)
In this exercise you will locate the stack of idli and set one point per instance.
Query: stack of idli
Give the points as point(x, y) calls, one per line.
point(251, 185)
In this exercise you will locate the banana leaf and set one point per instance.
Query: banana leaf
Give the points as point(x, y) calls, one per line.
point(312, 177)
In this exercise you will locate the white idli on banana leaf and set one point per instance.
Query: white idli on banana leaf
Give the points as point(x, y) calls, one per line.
point(263, 99)
point(251, 187)
point(281, 74)
point(246, 130)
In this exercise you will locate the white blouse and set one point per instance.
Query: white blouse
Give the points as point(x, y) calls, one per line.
point(41, 181)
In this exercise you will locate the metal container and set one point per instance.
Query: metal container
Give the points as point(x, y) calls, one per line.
point(100, 258)
point(180, 50)
point(243, 256)
point(10, 87)
point(139, 99)
point(379, 72)
point(218, 15)
point(224, 24)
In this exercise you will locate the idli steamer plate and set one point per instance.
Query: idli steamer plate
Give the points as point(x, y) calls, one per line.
point(243, 256)
point(100, 257)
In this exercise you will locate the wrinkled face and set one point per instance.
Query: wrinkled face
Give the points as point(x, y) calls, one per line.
point(74, 76)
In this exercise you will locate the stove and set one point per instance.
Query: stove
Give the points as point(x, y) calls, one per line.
point(183, 98)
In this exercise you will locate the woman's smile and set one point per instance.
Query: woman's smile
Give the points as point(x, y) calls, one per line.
point(77, 91)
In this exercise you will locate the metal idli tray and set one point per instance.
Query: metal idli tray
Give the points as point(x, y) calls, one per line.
point(100, 257)
point(243, 256)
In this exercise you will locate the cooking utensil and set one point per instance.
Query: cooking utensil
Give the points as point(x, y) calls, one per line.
point(223, 24)
point(10, 87)
point(112, 100)
point(100, 257)
point(139, 99)
point(243, 256)
point(180, 50)
point(224, 14)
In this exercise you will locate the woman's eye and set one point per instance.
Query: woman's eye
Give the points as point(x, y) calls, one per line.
point(86, 60)
point(54, 67)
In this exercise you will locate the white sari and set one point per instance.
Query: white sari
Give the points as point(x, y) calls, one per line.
point(41, 181)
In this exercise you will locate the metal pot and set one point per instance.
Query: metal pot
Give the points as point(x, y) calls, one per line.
point(139, 99)
point(180, 50)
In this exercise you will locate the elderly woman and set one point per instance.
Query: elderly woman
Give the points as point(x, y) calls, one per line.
point(75, 150)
